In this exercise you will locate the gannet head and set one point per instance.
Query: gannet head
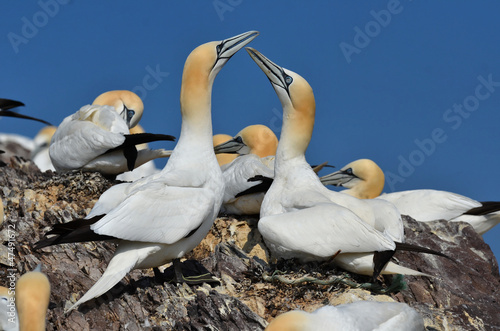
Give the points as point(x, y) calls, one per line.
point(291, 321)
point(363, 178)
point(223, 158)
point(296, 97)
point(254, 139)
point(42, 139)
point(32, 299)
point(126, 103)
point(203, 65)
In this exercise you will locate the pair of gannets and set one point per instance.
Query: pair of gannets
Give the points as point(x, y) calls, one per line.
point(255, 146)
point(300, 217)
point(365, 180)
point(356, 316)
point(160, 218)
point(24, 306)
point(97, 137)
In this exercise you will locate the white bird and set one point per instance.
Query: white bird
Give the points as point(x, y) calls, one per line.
point(256, 145)
point(162, 217)
point(24, 306)
point(223, 158)
point(365, 180)
point(300, 217)
point(144, 170)
point(356, 316)
point(40, 152)
point(96, 137)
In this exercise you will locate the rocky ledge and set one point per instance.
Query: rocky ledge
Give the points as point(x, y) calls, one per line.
point(462, 294)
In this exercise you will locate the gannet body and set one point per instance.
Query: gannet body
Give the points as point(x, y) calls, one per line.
point(364, 179)
point(256, 146)
point(356, 316)
point(162, 217)
point(40, 153)
point(300, 217)
point(91, 139)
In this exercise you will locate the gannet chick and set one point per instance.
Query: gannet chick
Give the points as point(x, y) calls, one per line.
point(144, 170)
point(32, 300)
point(223, 158)
point(40, 152)
point(256, 146)
point(365, 180)
point(160, 218)
point(300, 217)
point(96, 137)
point(6, 104)
point(356, 316)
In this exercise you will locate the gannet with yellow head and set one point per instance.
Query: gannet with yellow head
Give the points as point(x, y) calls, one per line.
point(256, 146)
point(365, 180)
point(40, 153)
point(356, 316)
point(300, 217)
point(160, 218)
point(97, 137)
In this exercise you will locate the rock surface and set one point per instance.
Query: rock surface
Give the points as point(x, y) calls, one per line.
point(463, 295)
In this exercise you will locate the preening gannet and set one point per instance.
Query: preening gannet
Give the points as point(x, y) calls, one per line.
point(256, 145)
point(6, 104)
point(356, 316)
point(365, 180)
point(32, 300)
point(40, 153)
point(300, 217)
point(223, 158)
point(96, 137)
point(144, 170)
point(161, 217)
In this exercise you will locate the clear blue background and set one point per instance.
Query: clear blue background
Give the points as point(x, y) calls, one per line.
point(405, 76)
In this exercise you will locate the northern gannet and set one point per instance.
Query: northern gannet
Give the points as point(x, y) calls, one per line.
point(356, 316)
point(162, 217)
point(40, 152)
point(6, 104)
point(32, 300)
point(96, 137)
point(144, 170)
point(365, 180)
point(256, 146)
point(300, 217)
point(23, 306)
point(223, 158)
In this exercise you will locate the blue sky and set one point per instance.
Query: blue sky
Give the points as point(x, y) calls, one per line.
point(413, 85)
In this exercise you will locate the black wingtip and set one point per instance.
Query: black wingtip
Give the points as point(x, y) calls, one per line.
point(10, 113)
point(9, 104)
point(419, 249)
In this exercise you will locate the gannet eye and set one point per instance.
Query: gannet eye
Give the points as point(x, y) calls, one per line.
point(349, 171)
point(238, 140)
point(288, 80)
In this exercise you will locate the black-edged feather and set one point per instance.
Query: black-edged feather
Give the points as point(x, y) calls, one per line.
point(72, 232)
point(486, 208)
point(259, 188)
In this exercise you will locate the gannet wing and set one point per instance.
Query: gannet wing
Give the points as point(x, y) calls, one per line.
point(322, 231)
point(430, 205)
point(157, 213)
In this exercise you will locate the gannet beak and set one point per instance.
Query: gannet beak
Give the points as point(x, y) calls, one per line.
point(276, 74)
point(338, 178)
point(233, 146)
point(228, 47)
point(127, 115)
